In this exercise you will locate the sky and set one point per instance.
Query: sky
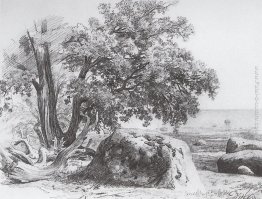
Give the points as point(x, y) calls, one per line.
point(227, 38)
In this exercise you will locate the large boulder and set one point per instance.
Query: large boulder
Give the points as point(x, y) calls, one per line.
point(236, 144)
point(230, 162)
point(143, 159)
point(245, 170)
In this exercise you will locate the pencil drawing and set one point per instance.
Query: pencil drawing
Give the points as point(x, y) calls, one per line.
point(79, 100)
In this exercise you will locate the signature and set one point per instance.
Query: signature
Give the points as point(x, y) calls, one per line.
point(250, 194)
point(236, 194)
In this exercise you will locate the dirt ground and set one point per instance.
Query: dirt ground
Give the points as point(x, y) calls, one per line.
point(218, 185)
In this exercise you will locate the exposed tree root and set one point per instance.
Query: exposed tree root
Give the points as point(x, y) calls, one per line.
point(20, 155)
point(23, 171)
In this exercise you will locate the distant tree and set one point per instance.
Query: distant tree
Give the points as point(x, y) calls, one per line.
point(127, 65)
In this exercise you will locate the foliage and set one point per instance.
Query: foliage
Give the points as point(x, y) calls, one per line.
point(136, 66)
point(127, 65)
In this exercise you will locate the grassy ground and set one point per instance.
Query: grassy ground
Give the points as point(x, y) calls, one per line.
point(218, 186)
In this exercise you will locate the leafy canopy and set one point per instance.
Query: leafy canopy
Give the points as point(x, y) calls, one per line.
point(136, 67)
point(128, 64)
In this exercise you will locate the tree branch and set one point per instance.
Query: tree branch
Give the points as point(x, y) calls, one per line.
point(36, 85)
point(86, 67)
point(131, 76)
point(88, 64)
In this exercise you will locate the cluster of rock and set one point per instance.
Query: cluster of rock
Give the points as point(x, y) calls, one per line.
point(144, 159)
point(242, 156)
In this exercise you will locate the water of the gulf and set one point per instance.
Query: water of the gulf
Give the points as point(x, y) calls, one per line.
point(213, 119)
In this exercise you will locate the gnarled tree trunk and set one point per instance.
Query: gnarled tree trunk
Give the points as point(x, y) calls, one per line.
point(46, 96)
point(70, 134)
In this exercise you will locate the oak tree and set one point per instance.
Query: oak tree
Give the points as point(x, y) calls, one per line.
point(127, 65)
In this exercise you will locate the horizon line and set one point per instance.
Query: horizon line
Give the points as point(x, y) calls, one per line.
point(206, 109)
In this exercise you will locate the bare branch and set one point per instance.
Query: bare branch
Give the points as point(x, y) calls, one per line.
point(34, 50)
point(36, 85)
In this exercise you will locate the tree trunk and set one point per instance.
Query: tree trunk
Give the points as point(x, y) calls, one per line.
point(46, 98)
point(70, 135)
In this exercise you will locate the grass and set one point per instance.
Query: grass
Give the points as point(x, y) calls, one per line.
point(218, 185)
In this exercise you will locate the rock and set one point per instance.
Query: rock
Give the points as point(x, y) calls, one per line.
point(93, 140)
point(236, 144)
point(230, 162)
point(131, 159)
point(200, 143)
point(245, 170)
